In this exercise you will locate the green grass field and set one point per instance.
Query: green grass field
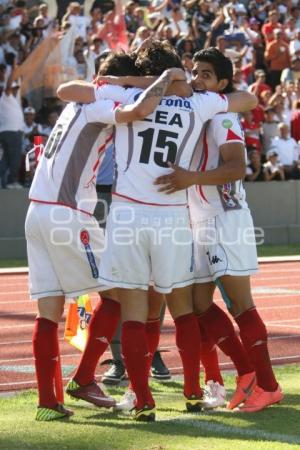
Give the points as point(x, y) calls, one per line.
point(97, 429)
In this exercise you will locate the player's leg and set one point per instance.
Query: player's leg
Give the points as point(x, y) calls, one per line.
point(219, 327)
point(134, 306)
point(44, 286)
point(102, 327)
point(214, 391)
point(188, 341)
point(159, 370)
point(155, 302)
point(116, 372)
point(254, 338)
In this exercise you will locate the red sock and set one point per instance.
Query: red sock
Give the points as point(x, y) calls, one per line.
point(254, 337)
point(220, 328)
point(209, 358)
point(188, 341)
point(45, 352)
point(153, 334)
point(101, 329)
point(136, 359)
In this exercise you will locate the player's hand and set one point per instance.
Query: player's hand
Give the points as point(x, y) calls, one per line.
point(175, 181)
point(176, 74)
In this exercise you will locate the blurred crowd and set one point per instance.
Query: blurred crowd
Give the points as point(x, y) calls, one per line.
point(261, 37)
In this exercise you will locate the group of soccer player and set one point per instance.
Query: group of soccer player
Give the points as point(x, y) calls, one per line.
point(178, 226)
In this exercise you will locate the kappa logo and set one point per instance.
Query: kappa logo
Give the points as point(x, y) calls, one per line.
point(213, 259)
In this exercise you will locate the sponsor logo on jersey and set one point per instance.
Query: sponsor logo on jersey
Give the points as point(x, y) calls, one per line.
point(226, 123)
point(85, 239)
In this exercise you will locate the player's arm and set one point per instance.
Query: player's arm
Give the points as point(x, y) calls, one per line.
point(179, 88)
point(232, 169)
point(84, 92)
point(76, 91)
point(150, 98)
point(241, 101)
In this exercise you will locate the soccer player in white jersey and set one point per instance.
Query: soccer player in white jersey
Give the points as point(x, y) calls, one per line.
point(64, 241)
point(225, 250)
point(149, 232)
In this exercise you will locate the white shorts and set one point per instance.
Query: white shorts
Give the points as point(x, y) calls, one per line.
point(64, 248)
point(147, 243)
point(225, 245)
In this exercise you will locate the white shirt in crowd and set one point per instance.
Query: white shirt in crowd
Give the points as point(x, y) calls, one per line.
point(294, 46)
point(287, 150)
point(81, 23)
point(11, 113)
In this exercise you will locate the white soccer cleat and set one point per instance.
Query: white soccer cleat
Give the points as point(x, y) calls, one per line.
point(214, 395)
point(127, 402)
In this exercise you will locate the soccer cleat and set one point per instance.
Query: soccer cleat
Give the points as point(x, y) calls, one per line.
point(159, 371)
point(58, 412)
point(214, 395)
point(194, 403)
point(127, 402)
point(245, 385)
point(90, 393)
point(115, 374)
point(260, 399)
point(145, 414)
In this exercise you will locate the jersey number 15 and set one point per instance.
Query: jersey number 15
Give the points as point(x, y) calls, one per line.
point(163, 141)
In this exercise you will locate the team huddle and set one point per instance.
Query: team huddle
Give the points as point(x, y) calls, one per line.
point(178, 226)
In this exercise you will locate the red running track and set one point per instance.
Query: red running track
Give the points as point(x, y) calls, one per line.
point(276, 291)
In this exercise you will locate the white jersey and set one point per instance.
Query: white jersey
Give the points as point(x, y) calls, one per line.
point(209, 201)
point(170, 134)
point(67, 169)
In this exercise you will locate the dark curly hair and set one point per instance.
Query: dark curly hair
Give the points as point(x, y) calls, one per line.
point(157, 58)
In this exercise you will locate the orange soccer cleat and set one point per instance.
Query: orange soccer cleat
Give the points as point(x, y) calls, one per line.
point(245, 385)
point(260, 399)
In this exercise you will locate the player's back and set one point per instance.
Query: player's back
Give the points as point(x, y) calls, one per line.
point(169, 134)
point(68, 166)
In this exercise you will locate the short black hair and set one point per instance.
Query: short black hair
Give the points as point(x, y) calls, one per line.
point(155, 59)
point(221, 64)
point(118, 64)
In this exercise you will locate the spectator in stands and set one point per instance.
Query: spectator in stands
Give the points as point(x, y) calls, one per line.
point(251, 130)
point(31, 128)
point(187, 62)
point(269, 128)
point(295, 121)
point(255, 170)
point(260, 85)
point(271, 25)
point(288, 152)
point(278, 55)
point(50, 122)
point(294, 46)
point(11, 134)
point(291, 73)
point(273, 169)
point(75, 17)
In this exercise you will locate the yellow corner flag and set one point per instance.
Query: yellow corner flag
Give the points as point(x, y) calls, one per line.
point(77, 321)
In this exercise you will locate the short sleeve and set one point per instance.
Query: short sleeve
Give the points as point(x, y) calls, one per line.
point(227, 128)
point(116, 93)
point(209, 104)
point(101, 111)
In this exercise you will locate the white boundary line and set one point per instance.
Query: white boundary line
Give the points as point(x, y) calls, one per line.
point(221, 429)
